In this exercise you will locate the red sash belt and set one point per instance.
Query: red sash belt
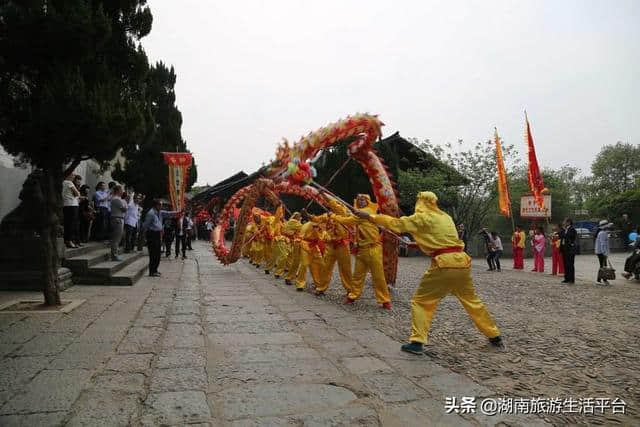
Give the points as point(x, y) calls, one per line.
point(339, 242)
point(316, 244)
point(450, 250)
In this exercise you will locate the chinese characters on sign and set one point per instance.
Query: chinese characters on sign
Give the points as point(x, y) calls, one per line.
point(530, 209)
point(178, 164)
point(536, 405)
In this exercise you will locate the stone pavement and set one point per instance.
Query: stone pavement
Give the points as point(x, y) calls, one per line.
point(213, 345)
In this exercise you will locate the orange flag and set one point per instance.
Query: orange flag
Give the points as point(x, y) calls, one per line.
point(504, 202)
point(535, 178)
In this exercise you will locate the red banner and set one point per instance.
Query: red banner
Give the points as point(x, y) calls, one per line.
point(179, 164)
point(536, 185)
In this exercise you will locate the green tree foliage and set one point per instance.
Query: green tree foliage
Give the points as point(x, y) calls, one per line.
point(561, 184)
point(615, 169)
point(413, 181)
point(71, 88)
point(613, 206)
point(144, 167)
point(471, 203)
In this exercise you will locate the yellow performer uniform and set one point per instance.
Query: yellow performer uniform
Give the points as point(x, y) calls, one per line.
point(337, 249)
point(246, 245)
point(272, 231)
point(284, 244)
point(294, 260)
point(369, 256)
point(449, 273)
point(311, 253)
point(256, 250)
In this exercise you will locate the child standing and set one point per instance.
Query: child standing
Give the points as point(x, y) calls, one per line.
point(557, 264)
point(538, 242)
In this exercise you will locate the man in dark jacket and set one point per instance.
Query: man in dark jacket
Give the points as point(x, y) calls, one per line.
point(568, 247)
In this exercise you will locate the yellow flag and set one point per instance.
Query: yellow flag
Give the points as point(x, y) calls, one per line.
point(504, 202)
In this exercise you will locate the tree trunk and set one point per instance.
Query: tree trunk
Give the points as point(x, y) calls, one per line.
point(51, 189)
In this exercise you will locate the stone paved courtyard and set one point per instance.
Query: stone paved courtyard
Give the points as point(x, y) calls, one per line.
point(213, 345)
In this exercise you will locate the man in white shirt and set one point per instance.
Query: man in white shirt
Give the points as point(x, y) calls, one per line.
point(131, 218)
point(102, 205)
point(118, 210)
point(70, 211)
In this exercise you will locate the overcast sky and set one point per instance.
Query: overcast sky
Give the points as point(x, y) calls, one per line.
point(253, 72)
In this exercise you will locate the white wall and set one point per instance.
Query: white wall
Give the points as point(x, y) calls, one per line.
point(12, 178)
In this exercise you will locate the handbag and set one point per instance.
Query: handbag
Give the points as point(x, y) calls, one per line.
point(607, 273)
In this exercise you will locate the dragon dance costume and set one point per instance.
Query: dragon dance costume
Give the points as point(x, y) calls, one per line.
point(449, 273)
point(369, 252)
point(337, 249)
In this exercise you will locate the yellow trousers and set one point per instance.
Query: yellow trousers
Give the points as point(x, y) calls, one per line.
point(435, 285)
point(309, 262)
point(256, 252)
point(281, 253)
point(343, 257)
point(269, 254)
point(370, 259)
point(294, 262)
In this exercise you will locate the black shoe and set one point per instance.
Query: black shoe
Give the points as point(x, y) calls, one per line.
point(288, 282)
point(266, 272)
point(276, 276)
point(319, 293)
point(565, 281)
point(413, 347)
point(497, 342)
point(299, 289)
point(257, 265)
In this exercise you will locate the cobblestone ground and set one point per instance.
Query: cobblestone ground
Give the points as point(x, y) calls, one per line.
point(213, 345)
point(580, 341)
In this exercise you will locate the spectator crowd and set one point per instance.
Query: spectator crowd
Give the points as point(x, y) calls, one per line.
point(564, 244)
point(115, 216)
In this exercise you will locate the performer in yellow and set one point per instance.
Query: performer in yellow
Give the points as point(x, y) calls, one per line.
point(256, 251)
point(312, 249)
point(294, 260)
point(337, 249)
point(284, 244)
point(273, 229)
point(369, 256)
point(449, 273)
point(246, 244)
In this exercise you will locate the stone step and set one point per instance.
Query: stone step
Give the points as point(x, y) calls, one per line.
point(129, 275)
point(85, 249)
point(109, 268)
point(115, 273)
point(79, 264)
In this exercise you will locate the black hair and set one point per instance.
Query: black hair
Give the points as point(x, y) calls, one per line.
point(98, 185)
point(112, 184)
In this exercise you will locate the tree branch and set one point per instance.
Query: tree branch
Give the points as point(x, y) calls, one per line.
point(74, 164)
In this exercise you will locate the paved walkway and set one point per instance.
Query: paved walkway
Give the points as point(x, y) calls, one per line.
point(213, 345)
